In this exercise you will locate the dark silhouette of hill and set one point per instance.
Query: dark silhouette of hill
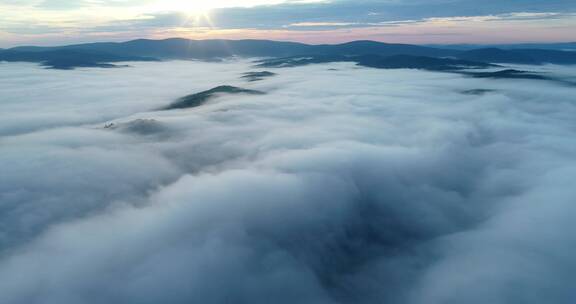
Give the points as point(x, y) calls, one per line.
point(561, 46)
point(379, 48)
point(522, 56)
point(548, 56)
point(477, 92)
point(103, 53)
point(496, 55)
point(257, 76)
point(464, 67)
point(508, 74)
point(419, 62)
point(177, 48)
point(68, 58)
point(380, 62)
point(198, 99)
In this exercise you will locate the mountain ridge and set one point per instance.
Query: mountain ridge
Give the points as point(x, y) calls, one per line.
point(99, 53)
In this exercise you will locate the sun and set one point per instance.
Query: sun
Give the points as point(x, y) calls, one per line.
point(191, 8)
point(195, 13)
point(197, 7)
point(198, 13)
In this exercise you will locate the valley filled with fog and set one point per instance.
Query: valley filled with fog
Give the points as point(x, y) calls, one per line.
point(340, 184)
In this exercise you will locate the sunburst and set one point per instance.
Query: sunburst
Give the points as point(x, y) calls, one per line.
point(196, 13)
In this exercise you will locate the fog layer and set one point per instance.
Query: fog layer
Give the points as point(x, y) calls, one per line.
point(340, 185)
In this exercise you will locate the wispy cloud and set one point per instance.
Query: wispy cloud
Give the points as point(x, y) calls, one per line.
point(39, 19)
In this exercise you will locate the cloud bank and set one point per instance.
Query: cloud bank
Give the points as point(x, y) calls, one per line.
point(341, 185)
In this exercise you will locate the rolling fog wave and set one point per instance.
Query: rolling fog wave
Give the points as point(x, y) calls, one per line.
point(340, 185)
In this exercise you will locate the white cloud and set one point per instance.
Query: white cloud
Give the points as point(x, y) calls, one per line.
point(350, 185)
point(64, 21)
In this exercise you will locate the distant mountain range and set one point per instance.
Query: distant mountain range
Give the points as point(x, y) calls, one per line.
point(464, 67)
point(65, 58)
point(104, 54)
point(379, 62)
point(562, 46)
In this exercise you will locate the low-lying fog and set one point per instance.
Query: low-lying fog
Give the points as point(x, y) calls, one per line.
point(340, 185)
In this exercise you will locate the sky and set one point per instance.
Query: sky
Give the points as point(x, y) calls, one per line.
point(54, 22)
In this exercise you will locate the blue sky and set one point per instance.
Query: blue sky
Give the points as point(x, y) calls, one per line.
point(47, 22)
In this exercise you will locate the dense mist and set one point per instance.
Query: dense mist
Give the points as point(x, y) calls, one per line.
point(341, 184)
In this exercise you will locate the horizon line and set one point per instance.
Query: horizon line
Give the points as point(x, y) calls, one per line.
point(288, 41)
